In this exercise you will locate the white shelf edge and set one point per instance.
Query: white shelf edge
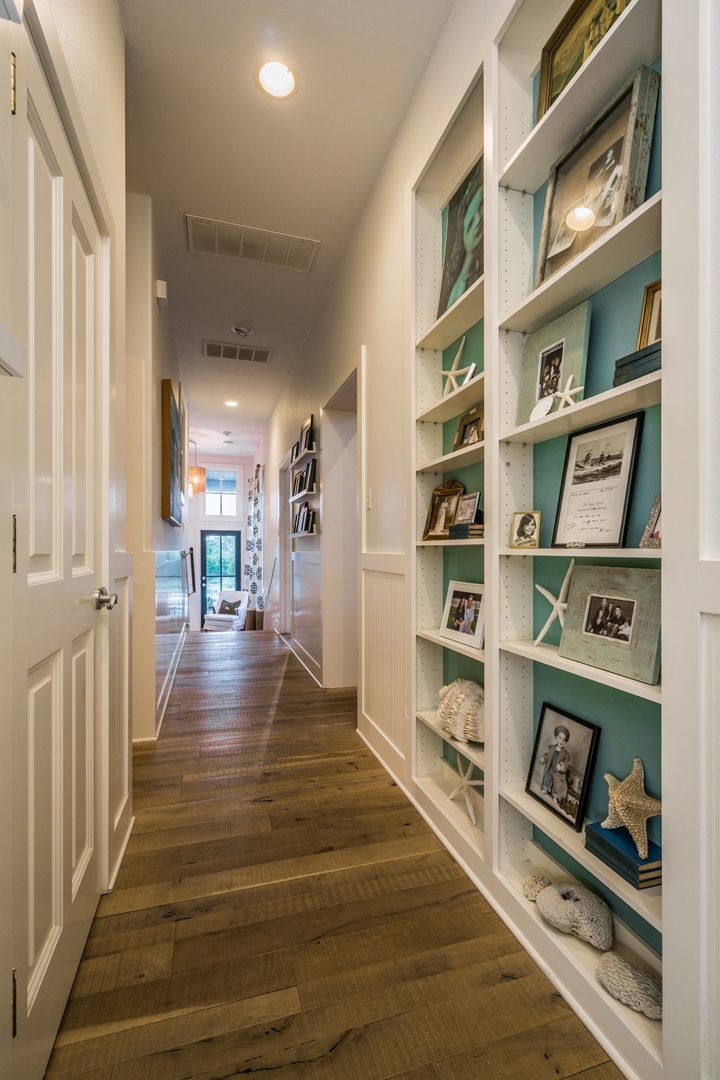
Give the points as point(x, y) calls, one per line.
point(647, 903)
point(452, 324)
point(633, 40)
point(313, 452)
point(471, 751)
point(304, 494)
point(549, 655)
point(433, 634)
point(300, 535)
point(449, 543)
point(586, 553)
point(641, 393)
point(457, 402)
point(623, 246)
point(466, 455)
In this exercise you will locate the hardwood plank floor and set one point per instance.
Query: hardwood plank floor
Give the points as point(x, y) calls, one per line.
point(282, 909)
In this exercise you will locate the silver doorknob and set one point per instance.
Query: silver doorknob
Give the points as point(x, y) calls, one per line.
point(104, 599)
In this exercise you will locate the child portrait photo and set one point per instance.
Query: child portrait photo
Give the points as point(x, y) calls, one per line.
point(562, 762)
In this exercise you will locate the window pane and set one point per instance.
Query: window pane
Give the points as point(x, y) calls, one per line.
point(229, 505)
point(212, 505)
point(213, 591)
point(229, 582)
point(213, 480)
point(228, 555)
point(229, 480)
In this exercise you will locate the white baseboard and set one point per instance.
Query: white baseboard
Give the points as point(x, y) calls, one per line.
point(167, 685)
point(121, 855)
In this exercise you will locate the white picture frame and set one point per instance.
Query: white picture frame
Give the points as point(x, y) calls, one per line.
point(458, 624)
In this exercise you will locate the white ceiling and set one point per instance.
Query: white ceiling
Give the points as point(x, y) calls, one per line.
point(203, 139)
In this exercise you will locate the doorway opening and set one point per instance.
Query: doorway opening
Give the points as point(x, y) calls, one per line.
point(220, 566)
point(284, 624)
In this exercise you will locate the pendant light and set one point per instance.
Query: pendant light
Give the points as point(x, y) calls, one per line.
point(196, 475)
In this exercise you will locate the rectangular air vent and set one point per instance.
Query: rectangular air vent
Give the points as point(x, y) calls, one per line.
point(208, 237)
point(228, 350)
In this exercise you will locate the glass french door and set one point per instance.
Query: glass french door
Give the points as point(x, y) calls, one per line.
point(219, 565)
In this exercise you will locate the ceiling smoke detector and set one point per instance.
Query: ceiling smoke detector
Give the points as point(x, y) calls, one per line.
point(227, 432)
point(242, 331)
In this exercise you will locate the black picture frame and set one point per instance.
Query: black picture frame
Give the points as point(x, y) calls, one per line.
point(295, 452)
point(565, 801)
point(306, 434)
point(638, 419)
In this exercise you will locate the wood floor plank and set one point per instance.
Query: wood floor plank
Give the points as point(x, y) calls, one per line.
point(283, 910)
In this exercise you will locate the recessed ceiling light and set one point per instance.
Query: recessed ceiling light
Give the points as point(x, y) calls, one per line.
point(241, 330)
point(231, 404)
point(276, 79)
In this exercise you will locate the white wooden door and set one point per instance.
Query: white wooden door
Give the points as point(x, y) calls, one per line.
point(60, 640)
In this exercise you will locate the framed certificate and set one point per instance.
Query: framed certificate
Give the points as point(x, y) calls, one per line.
point(596, 484)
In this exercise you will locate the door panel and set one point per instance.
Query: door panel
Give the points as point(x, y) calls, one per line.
point(219, 565)
point(83, 756)
point(83, 414)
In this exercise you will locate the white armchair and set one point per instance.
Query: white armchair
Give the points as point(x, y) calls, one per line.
point(214, 621)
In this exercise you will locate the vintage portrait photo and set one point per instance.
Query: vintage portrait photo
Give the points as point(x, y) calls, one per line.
point(467, 509)
point(574, 41)
point(463, 617)
point(610, 617)
point(599, 459)
point(471, 428)
point(525, 529)
point(550, 364)
point(442, 510)
point(463, 252)
point(650, 330)
point(562, 761)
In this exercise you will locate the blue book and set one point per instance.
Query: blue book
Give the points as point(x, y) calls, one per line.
point(620, 846)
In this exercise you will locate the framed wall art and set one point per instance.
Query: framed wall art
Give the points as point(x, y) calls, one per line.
point(441, 514)
point(467, 509)
point(550, 356)
point(602, 178)
point(463, 250)
point(562, 763)
point(525, 532)
point(572, 43)
point(464, 615)
point(306, 435)
point(652, 534)
point(596, 484)
point(172, 456)
point(650, 330)
point(471, 428)
point(613, 621)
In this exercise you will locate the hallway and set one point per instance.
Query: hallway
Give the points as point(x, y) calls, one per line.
point(283, 909)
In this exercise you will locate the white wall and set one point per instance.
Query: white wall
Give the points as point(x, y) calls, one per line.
point(340, 548)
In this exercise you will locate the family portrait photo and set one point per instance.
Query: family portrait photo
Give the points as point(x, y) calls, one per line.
point(463, 253)
point(561, 765)
point(463, 617)
point(610, 617)
point(550, 370)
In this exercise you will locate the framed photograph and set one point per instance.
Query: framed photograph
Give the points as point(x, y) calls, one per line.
point(596, 484)
point(650, 329)
point(550, 356)
point(602, 178)
point(306, 435)
point(464, 615)
point(578, 35)
point(652, 536)
point(613, 621)
point(562, 763)
point(464, 234)
point(310, 474)
point(525, 529)
point(471, 428)
point(172, 456)
point(467, 509)
point(443, 506)
point(295, 452)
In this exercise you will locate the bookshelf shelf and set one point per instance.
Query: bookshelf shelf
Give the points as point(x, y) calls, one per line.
point(437, 638)
point(549, 655)
point(458, 459)
point(464, 313)
point(474, 752)
point(456, 403)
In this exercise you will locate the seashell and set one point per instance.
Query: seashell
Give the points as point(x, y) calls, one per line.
point(637, 989)
point(533, 885)
point(573, 909)
point(462, 710)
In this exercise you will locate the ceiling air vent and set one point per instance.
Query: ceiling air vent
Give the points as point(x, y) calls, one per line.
point(225, 350)
point(208, 237)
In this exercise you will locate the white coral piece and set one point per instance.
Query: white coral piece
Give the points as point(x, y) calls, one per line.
point(462, 710)
point(533, 885)
point(637, 989)
point(573, 909)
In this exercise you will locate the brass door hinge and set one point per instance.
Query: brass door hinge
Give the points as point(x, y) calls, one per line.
point(13, 83)
point(14, 1004)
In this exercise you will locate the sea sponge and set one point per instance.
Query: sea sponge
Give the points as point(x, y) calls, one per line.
point(573, 909)
point(533, 885)
point(462, 710)
point(637, 989)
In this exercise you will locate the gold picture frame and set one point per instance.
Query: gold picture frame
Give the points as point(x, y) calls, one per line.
point(471, 428)
point(650, 329)
point(571, 45)
point(441, 512)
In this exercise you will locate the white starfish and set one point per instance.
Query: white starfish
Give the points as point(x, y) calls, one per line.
point(557, 603)
point(457, 376)
point(465, 787)
point(565, 397)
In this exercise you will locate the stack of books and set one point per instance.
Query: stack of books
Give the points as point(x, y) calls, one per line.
point(467, 532)
point(637, 364)
point(616, 848)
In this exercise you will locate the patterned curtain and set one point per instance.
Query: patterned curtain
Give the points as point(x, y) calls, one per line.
point(253, 541)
